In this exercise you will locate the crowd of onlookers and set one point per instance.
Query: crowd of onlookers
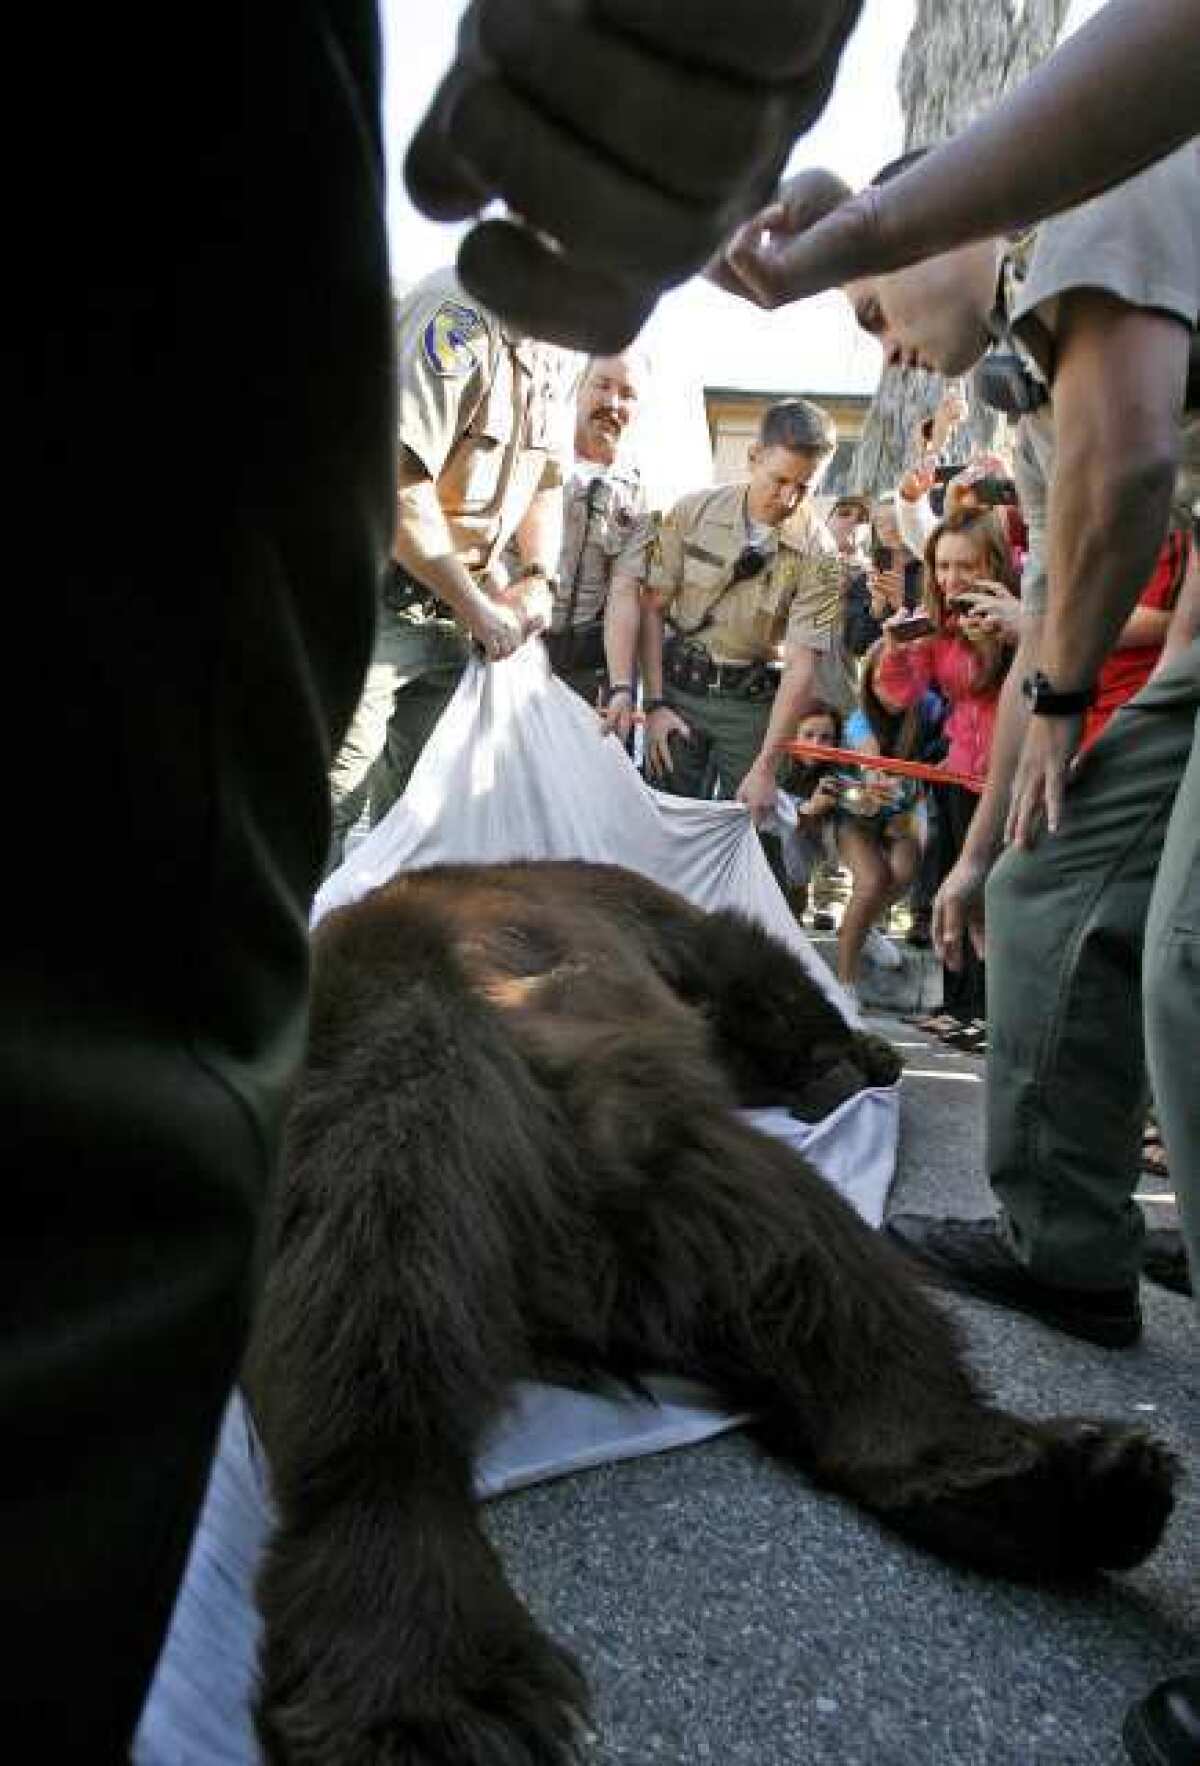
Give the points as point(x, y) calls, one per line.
point(930, 611)
point(746, 615)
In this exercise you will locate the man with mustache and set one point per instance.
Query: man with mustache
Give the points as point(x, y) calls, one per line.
point(606, 531)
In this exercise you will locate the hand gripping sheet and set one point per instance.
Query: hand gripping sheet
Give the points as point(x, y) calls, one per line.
point(516, 769)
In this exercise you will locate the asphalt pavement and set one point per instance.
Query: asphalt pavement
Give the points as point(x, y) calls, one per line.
point(727, 1612)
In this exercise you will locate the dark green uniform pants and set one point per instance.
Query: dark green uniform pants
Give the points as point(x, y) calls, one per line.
point(1093, 974)
point(727, 733)
point(418, 706)
point(415, 666)
point(204, 487)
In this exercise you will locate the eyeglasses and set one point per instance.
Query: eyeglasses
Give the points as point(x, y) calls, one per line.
point(750, 561)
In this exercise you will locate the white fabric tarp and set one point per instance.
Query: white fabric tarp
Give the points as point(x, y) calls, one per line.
point(516, 769)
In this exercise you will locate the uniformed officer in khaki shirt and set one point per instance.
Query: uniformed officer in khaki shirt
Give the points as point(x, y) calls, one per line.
point(750, 581)
point(483, 427)
point(594, 627)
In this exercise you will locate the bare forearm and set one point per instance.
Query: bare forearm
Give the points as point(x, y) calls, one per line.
point(1114, 98)
point(791, 699)
point(423, 547)
point(540, 531)
point(653, 621)
point(622, 623)
point(1104, 532)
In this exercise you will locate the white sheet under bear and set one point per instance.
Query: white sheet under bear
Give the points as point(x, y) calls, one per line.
point(516, 769)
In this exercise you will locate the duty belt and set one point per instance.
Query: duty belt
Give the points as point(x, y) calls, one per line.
point(690, 668)
point(402, 593)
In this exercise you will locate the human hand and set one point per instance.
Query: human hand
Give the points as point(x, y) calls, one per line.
point(752, 264)
point(995, 612)
point(880, 791)
point(583, 120)
point(532, 600)
point(978, 466)
point(950, 412)
point(758, 790)
point(917, 482)
point(958, 911)
point(661, 725)
point(823, 800)
point(539, 605)
point(889, 587)
point(1043, 774)
point(495, 627)
point(616, 717)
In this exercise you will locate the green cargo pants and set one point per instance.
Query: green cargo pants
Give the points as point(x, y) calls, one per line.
point(727, 733)
point(1093, 977)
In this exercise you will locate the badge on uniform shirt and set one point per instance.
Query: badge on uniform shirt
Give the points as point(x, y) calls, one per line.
point(447, 339)
point(786, 573)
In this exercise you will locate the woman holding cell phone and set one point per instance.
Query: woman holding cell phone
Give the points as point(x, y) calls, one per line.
point(961, 642)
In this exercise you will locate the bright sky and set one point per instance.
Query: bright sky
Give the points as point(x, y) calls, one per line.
point(698, 336)
point(812, 348)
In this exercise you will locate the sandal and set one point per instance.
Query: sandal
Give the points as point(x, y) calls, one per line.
point(969, 1039)
point(1154, 1153)
point(935, 1023)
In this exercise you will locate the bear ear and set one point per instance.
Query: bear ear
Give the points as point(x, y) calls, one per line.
point(880, 1062)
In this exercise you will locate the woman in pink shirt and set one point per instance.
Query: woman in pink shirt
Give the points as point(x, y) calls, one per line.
point(965, 655)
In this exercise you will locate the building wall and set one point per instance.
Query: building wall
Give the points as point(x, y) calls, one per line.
point(734, 416)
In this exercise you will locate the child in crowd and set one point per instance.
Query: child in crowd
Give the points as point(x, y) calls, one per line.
point(878, 826)
point(866, 820)
point(811, 843)
point(963, 648)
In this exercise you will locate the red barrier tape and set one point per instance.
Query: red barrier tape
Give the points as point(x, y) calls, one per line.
point(883, 763)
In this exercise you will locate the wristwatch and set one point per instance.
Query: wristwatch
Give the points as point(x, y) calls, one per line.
point(1046, 701)
point(548, 575)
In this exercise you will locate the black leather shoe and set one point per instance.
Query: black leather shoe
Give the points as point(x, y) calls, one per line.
point(1163, 1729)
point(971, 1255)
point(1165, 1259)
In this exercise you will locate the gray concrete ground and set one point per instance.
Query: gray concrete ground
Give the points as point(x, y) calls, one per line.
point(726, 1612)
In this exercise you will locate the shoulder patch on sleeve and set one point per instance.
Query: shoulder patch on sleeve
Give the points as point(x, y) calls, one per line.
point(447, 338)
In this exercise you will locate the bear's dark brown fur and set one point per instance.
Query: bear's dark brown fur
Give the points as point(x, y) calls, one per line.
point(516, 1153)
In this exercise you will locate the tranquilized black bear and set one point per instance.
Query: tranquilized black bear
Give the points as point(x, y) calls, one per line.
point(516, 1153)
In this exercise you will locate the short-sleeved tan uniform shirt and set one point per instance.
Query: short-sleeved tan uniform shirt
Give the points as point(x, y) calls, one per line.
point(1139, 242)
point(606, 532)
point(485, 413)
point(793, 604)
